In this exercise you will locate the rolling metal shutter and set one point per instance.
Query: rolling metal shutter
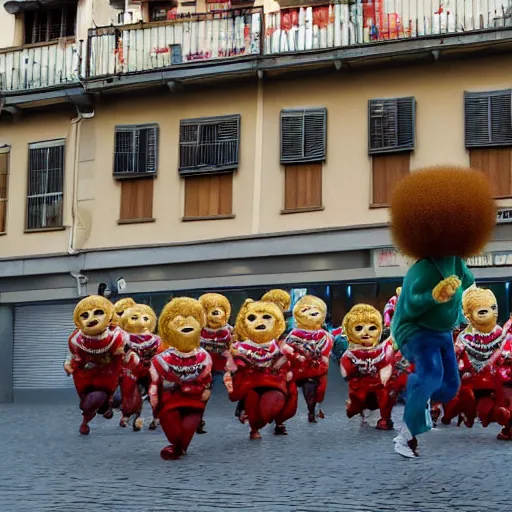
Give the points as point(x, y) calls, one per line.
point(40, 346)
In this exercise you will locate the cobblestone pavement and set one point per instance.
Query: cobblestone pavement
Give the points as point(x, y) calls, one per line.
point(336, 465)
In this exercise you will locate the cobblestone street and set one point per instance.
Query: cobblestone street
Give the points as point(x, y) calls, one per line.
point(335, 465)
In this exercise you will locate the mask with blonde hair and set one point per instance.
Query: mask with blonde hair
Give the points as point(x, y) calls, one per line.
point(480, 308)
point(217, 309)
point(93, 314)
point(119, 309)
point(180, 324)
point(310, 312)
point(139, 319)
point(362, 326)
point(281, 298)
point(260, 322)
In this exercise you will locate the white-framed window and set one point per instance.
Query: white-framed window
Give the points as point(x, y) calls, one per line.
point(45, 194)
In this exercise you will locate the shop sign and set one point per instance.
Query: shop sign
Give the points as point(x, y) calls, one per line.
point(386, 258)
point(504, 216)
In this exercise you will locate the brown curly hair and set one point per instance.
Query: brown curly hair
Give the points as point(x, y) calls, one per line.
point(442, 211)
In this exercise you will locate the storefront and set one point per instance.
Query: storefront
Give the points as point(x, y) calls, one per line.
point(340, 266)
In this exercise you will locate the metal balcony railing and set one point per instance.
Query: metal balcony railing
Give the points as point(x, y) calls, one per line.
point(41, 65)
point(350, 23)
point(193, 37)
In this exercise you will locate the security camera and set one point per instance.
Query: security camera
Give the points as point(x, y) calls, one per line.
point(104, 290)
point(81, 282)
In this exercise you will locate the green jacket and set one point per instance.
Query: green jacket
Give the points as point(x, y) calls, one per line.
point(417, 309)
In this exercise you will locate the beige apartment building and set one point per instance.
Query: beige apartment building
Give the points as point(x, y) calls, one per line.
point(153, 149)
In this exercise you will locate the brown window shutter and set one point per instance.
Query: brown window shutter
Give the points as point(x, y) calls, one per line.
point(209, 196)
point(496, 164)
point(137, 199)
point(303, 187)
point(4, 190)
point(387, 171)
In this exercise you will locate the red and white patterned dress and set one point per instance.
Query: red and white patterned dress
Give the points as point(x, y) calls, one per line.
point(259, 365)
point(389, 310)
point(96, 361)
point(362, 369)
point(217, 343)
point(315, 347)
point(181, 378)
point(146, 346)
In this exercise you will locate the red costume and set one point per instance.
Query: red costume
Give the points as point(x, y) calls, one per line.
point(135, 378)
point(96, 364)
point(482, 393)
point(366, 389)
point(179, 383)
point(217, 342)
point(262, 378)
point(389, 310)
point(310, 364)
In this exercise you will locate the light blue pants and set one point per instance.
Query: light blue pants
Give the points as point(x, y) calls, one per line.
point(436, 375)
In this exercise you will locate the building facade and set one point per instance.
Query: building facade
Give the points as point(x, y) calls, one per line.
point(156, 149)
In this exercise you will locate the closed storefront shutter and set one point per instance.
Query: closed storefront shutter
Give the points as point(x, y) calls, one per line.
point(40, 346)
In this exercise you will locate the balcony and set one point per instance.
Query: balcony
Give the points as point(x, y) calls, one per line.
point(41, 65)
point(188, 38)
point(358, 23)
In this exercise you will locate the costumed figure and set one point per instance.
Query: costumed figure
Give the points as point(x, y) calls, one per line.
point(311, 346)
point(181, 375)
point(389, 311)
point(479, 347)
point(120, 308)
point(141, 345)
point(258, 370)
point(340, 344)
point(95, 358)
point(216, 336)
point(282, 299)
point(438, 217)
point(368, 366)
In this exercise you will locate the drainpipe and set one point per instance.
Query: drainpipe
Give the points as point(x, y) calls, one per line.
point(76, 123)
point(258, 160)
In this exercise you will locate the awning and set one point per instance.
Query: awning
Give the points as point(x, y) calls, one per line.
point(17, 6)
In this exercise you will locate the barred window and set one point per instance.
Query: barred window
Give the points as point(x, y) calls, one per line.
point(43, 24)
point(488, 119)
point(135, 152)
point(45, 185)
point(391, 125)
point(209, 145)
point(303, 135)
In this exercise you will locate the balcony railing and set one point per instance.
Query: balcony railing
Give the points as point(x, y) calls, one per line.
point(41, 65)
point(149, 46)
point(344, 24)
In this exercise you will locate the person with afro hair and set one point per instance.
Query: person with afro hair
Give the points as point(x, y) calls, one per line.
point(439, 217)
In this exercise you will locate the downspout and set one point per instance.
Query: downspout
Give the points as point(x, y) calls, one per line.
point(76, 123)
point(258, 160)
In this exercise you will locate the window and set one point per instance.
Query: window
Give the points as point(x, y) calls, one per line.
point(136, 201)
point(43, 25)
point(161, 11)
point(488, 119)
point(303, 149)
point(303, 188)
point(488, 134)
point(135, 153)
point(391, 134)
point(4, 188)
point(303, 135)
point(45, 185)
point(209, 197)
point(391, 125)
point(209, 145)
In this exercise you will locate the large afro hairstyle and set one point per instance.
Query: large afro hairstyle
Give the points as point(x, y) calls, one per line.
point(442, 211)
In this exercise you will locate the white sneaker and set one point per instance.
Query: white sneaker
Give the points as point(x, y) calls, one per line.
point(405, 444)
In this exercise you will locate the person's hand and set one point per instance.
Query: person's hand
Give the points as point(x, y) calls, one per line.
point(446, 289)
point(206, 395)
point(68, 368)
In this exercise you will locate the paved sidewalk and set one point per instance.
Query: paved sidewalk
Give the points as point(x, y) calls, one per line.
point(335, 465)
